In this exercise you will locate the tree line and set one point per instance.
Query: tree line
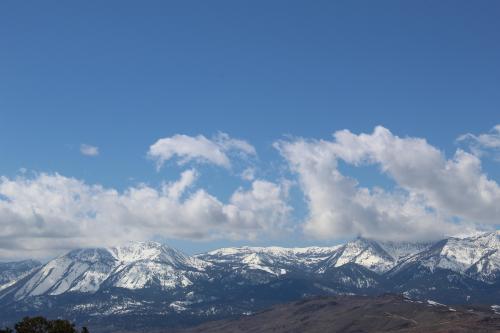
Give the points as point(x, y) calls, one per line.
point(43, 325)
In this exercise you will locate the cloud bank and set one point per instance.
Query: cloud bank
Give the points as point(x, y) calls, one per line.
point(49, 213)
point(433, 196)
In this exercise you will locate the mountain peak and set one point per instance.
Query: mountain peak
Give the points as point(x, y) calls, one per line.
point(364, 252)
point(150, 251)
point(377, 256)
point(90, 255)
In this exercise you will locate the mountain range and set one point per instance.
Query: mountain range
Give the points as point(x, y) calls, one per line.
point(148, 284)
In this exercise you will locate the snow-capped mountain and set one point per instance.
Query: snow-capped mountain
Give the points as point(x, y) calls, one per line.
point(79, 270)
point(273, 260)
point(376, 256)
point(477, 257)
point(11, 272)
point(134, 266)
point(151, 264)
point(145, 281)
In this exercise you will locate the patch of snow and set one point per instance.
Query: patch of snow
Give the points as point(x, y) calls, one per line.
point(433, 303)
point(177, 306)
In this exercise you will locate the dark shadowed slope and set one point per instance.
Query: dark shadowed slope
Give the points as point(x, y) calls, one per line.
point(388, 313)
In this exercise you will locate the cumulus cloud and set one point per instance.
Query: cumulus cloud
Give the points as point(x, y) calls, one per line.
point(483, 143)
point(89, 150)
point(199, 149)
point(43, 215)
point(434, 195)
point(177, 188)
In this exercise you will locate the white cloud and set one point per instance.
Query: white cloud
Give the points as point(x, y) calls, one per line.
point(46, 214)
point(432, 191)
point(262, 207)
point(227, 143)
point(483, 143)
point(176, 189)
point(248, 174)
point(89, 150)
point(199, 149)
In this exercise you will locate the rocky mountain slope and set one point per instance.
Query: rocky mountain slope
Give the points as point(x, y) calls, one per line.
point(11, 272)
point(346, 314)
point(135, 266)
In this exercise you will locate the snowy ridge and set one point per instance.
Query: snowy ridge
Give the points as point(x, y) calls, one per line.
point(141, 264)
point(80, 270)
point(401, 250)
point(11, 272)
point(134, 266)
point(273, 260)
point(477, 256)
point(376, 256)
point(359, 263)
point(153, 251)
point(363, 252)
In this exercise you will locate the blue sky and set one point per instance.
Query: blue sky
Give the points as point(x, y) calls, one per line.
point(121, 75)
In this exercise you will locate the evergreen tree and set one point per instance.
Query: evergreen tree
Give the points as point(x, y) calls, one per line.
point(42, 325)
point(32, 325)
point(61, 326)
